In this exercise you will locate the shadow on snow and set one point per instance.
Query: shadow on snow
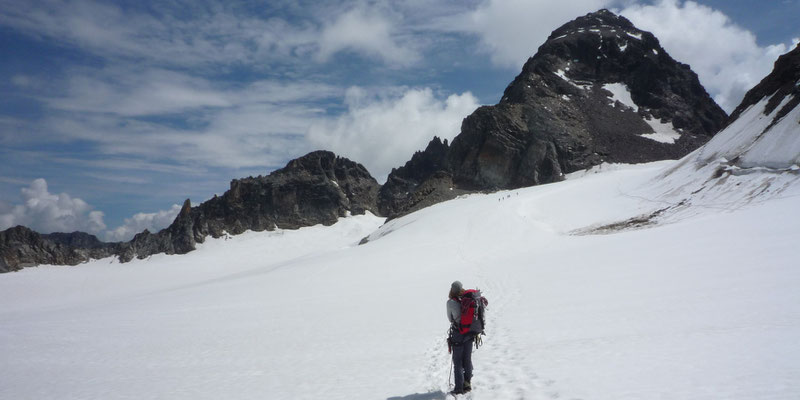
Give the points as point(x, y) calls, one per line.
point(421, 396)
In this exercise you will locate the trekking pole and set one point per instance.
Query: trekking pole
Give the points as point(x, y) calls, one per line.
point(450, 375)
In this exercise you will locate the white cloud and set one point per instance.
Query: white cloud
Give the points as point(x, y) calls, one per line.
point(130, 92)
point(134, 92)
point(725, 56)
point(366, 31)
point(167, 116)
point(153, 222)
point(383, 132)
point(510, 31)
point(212, 36)
point(45, 212)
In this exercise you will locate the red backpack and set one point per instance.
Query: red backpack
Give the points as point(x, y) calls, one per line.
point(473, 307)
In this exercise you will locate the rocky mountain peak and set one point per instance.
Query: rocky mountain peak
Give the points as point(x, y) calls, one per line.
point(604, 51)
point(598, 90)
point(603, 20)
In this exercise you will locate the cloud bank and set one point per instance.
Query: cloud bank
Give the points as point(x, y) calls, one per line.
point(153, 222)
point(45, 212)
point(382, 131)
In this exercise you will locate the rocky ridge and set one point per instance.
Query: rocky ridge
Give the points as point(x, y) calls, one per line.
point(317, 188)
point(21, 247)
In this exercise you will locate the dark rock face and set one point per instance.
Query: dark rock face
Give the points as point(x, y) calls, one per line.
point(567, 111)
point(783, 81)
point(21, 247)
point(398, 195)
point(317, 188)
point(75, 239)
point(495, 150)
point(178, 238)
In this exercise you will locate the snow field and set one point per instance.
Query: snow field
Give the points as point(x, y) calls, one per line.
point(705, 307)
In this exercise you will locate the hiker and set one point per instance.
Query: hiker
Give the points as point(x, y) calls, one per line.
point(463, 330)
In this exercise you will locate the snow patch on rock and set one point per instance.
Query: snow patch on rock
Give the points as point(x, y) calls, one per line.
point(637, 36)
point(621, 93)
point(664, 132)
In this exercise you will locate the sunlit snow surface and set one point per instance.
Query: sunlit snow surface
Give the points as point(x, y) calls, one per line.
point(744, 138)
point(704, 304)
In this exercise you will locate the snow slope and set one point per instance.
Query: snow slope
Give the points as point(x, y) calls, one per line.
point(754, 159)
point(757, 140)
point(581, 305)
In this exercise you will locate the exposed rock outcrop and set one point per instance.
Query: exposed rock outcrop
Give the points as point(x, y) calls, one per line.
point(317, 188)
point(21, 247)
point(402, 193)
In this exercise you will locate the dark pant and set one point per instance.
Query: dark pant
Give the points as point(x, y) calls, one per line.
point(462, 363)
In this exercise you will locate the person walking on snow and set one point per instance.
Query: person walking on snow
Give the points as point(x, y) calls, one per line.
point(461, 343)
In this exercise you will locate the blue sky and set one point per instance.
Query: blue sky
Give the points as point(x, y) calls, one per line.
point(112, 113)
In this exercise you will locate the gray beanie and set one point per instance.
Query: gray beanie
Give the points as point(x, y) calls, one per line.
point(456, 287)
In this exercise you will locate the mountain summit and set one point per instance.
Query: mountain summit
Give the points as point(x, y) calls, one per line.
point(598, 90)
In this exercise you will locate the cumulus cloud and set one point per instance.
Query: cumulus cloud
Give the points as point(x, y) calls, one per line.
point(382, 132)
point(725, 56)
point(45, 212)
point(153, 222)
point(510, 31)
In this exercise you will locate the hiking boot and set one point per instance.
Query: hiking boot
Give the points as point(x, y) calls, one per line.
point(455, 392)
point(467, 386)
